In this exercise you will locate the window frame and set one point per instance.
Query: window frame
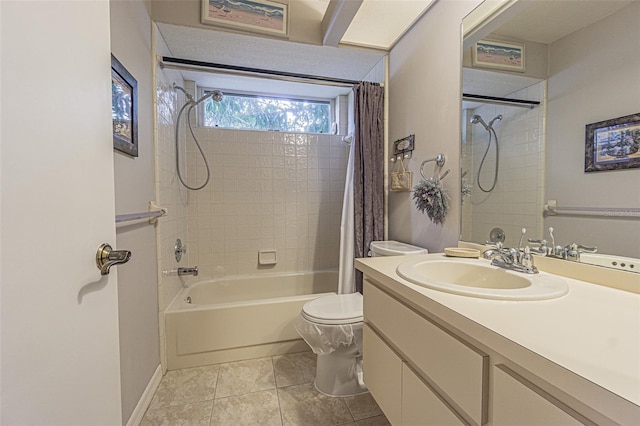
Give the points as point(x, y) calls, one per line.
point(330, 101)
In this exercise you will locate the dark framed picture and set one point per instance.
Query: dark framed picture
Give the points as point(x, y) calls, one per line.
point(498, 55)
point(613, 144)
point(262, 16)
point(124, 109)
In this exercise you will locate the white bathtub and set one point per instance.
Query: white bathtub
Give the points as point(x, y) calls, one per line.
point(242, 317)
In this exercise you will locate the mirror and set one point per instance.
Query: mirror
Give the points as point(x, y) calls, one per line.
point(535, 73)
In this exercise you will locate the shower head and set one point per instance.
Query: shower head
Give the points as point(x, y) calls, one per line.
point(186, 94)
point(216, 95)
point(477, 119)
point(496, 118)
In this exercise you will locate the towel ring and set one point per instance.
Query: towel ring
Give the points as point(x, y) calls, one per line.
point(440, 160)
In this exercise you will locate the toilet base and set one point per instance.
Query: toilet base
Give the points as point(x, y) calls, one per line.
point(339, 374)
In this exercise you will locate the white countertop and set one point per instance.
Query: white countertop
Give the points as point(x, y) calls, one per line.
point(593, 331)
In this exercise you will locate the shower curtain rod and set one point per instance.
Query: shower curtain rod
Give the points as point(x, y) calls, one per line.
point(190, 65)
point(500, 101)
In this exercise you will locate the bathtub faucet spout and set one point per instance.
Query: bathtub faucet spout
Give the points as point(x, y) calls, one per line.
point(188, 271)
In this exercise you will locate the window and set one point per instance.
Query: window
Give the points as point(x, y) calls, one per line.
point(256, 112)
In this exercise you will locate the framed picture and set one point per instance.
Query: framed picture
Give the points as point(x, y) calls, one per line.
point(612, 144)
point(498, 55)
point(261, 16)
point(124, 109)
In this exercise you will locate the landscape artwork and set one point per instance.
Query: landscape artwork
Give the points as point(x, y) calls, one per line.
point(613, 144)
point(499, 55)
point(257, 15)
point(124, 109)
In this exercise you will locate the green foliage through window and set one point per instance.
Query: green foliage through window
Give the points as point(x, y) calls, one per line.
point(268, 113)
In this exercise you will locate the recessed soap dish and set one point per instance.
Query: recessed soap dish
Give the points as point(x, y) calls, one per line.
point(462, 252)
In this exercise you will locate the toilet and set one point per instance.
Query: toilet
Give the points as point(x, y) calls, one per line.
point(332, 327)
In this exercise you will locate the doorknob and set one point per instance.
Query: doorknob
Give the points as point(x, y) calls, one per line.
point(106, 257)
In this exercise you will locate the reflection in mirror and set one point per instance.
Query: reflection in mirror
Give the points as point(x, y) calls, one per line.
point(506, 145)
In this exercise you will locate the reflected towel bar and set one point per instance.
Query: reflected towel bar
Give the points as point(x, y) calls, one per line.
point(553, 209)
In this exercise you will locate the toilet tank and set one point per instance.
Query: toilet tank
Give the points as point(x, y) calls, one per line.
point(394, 248)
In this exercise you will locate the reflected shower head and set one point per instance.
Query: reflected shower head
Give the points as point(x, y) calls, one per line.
point(477, 119)
point(496, 118)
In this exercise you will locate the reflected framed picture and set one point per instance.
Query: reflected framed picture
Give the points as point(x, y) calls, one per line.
point(498, 55)
point(262, 16)
point(613, 144)
point(124, 109)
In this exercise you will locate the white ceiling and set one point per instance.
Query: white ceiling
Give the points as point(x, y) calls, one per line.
point(542, 21)
point(380, 23)
point(546, 21)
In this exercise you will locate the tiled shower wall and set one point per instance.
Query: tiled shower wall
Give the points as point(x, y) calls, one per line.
point(170, 194)
point(268, 191)
point(517, 199)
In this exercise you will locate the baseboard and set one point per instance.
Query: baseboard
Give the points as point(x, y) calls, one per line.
point(145, 399)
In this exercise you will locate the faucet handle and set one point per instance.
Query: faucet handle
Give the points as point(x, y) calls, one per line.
point(585, 249)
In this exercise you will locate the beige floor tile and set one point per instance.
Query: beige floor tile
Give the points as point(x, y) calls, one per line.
point(303, 405)
point(242, 377)
point(257, 408)
point(196, 414)
point(374, 421)
point(294, 369)
point(185, 386)
point(362, 406)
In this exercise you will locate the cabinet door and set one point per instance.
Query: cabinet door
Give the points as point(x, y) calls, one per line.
point(518, 402)
point(420, 406)
point(382, 370)
point(457, 369)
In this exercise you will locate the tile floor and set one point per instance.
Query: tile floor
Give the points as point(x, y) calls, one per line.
point(276, 390)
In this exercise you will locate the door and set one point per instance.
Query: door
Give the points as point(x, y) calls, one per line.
point(59, 323)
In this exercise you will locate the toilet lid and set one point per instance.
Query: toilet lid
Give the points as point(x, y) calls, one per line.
point(335, 309)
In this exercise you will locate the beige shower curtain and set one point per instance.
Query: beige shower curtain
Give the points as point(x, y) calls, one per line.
point(368, 183)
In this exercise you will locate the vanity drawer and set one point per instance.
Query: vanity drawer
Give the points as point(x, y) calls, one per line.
point(516, 401)
point(421, 406)
point(457, 370)
point(382, 373)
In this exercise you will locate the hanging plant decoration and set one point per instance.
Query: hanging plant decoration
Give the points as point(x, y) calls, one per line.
point(431, 198)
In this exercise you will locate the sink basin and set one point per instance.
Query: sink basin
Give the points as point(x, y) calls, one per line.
point(477, 278)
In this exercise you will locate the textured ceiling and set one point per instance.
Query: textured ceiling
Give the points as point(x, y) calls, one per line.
point(258, 52)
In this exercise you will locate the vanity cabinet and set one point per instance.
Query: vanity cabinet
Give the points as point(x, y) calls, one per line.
point(517, 401)
point(423, 374)
point(456, 369)
point(421, 405)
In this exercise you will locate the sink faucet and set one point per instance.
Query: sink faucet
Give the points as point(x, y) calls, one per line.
point(569, 252)
point(515, 259)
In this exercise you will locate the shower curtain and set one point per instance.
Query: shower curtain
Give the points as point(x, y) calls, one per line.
point(346, 274)
point(368, 169)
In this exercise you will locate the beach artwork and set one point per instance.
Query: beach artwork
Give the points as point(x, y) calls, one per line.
point(613, 144)
point(256, 16)
point(498, 55)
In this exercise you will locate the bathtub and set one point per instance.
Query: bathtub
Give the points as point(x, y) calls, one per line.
point(243, 317)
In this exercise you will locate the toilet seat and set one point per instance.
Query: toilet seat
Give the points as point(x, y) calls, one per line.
point(334, 310)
